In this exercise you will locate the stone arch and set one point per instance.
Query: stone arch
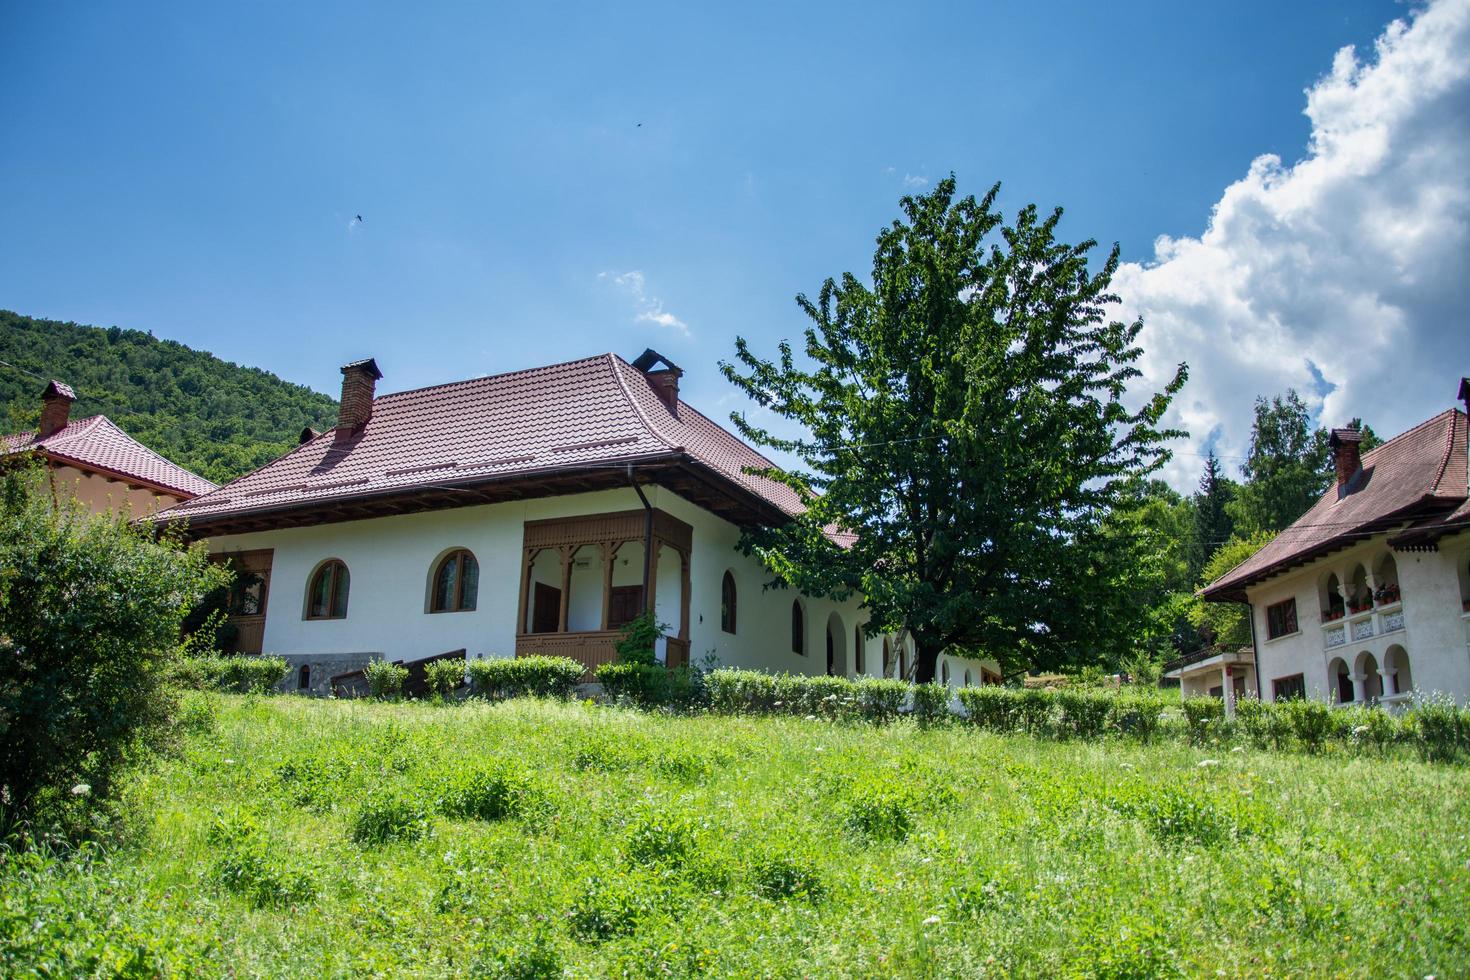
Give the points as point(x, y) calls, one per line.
point(1365, 672)
point(1340, 681)
point(1397, 677)
point(836, 646)
point(1329, 589)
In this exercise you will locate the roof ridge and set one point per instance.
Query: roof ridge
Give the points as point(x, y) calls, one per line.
point(1410, 431)
point(1449, 450)
point(489, 377)
point(612, 364)
point(83, 426)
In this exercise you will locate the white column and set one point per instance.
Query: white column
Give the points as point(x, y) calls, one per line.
point(1360, 687)
point(1228, 689)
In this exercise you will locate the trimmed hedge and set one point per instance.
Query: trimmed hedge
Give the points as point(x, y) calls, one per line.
point(498, 678)
point(385, 680)
point(648, 685)
point(240, 673)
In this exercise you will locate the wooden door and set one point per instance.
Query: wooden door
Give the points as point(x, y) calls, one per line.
point(546, 615)
point(625, 604)
point(247, 601)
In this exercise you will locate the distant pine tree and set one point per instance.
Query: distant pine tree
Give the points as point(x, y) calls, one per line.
point(1213, 524)
point(216, 418)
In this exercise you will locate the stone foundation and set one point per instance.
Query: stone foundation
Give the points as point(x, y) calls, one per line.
point(321, 668)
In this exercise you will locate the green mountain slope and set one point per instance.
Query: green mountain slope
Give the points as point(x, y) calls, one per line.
point(216, 418)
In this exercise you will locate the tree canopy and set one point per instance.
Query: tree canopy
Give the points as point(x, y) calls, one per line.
point(966, 414)
point(213, 417)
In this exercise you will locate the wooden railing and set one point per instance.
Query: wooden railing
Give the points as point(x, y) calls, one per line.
point(591, 649)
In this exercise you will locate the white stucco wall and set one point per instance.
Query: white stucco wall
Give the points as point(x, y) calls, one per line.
point(1434, 634)
point(390, 559)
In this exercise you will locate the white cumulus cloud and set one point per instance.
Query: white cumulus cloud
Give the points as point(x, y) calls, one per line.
point(650, 308)
point(1346, 274)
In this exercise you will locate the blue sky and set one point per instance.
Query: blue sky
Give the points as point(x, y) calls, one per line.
point(193, 169)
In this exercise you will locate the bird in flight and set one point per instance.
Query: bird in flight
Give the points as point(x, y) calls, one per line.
point(640, 125)
point(359, 219)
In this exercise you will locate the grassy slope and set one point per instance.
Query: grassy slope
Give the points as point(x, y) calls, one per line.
point(1049, 859)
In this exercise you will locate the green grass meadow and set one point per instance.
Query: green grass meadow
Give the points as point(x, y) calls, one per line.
point(293, 837)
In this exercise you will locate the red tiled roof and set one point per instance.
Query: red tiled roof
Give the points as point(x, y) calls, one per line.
point(1418, 475)
point(95, 443)
point(600, 411)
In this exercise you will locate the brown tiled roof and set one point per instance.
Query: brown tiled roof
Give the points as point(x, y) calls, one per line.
point(599, 412)
point(96, 444)
point(1419, 475)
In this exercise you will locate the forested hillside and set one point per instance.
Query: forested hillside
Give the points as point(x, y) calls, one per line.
point(216, 418)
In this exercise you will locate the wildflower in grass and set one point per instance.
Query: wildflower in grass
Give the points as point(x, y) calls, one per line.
point(81, 789)
point(1207, 763)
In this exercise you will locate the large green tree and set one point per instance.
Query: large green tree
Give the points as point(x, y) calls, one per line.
point(1289, 465)
point(966, 415)
point(1213, 525)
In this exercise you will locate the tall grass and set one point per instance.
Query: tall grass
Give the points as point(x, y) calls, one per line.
point(526, 838)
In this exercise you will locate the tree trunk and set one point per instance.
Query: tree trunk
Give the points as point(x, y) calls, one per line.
point(926, 661)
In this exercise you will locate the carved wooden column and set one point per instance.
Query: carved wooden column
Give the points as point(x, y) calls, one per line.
point(528, 558)
point(609, 559)
point(566, 551)
point(684, 595)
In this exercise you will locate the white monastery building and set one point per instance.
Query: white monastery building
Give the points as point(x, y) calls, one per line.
point(1366, 598)
point(531, 512)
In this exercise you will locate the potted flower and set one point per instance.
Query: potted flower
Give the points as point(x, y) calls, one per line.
point(1332, 615)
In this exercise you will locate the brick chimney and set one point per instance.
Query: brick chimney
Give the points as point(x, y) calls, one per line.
point(1345, 454)
point(664, 381)
point(359, 382)
point(55, 408)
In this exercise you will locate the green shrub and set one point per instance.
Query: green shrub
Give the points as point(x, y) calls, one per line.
point(1368, 728)
point(612, 904)
point(1310, 721)
point(498, 678)
point(443, 676)
point(1204, 718)
point(385, 680)
point(993, 708)
point(741, 691)
point(90, 614)
point(494, 791)
point(1034, 710)
point(388, 816)
point(1440, 731)
point(1082, 713)
point(1138, 716)
point(669, 839)
point(245, 866)
point(931, 703)
point(778, 876)
point(879, 808)
point(879, 700)
point(640, 635)
point(251, 674)
point(646, 685)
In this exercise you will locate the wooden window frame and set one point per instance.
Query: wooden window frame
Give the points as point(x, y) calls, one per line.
point(1297, 681)
point(334, 566)
point(1287, 617)
point(459, 557)
point(729, 604)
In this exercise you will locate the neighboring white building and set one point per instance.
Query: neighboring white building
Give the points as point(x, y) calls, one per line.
point(1366, 598)
point(522, 513)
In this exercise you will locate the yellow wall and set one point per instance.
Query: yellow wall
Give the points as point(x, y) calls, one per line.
point(98, 493)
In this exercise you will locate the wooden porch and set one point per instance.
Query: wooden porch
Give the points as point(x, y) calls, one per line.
point(545, 619)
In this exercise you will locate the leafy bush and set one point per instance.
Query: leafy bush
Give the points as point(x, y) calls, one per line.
point(646, 685)
point(1440, 732)
point(443, 676)
point(245, 865)
point(880, 808)
point(247, 674)
point(880, 700)
point(1083, 713)
point(1310, 721)
point(390, 815)
point(1204, 718)
point(640, 635)
point(496, 791)
point(90, 613)
point(1034, 710)
point(778, 876)
point(993, 708)
point(614, 904)
point(1138, 716)
point(668, 839)
point(498, 678)
point(385, 680)
point(931, 703)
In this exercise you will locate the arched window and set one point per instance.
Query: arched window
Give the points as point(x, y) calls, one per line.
point(798, 628)
point(303, 678)
point(727, 603)
point(1341, 681)
point(326, 596)
point(944, 672)
point(860, 661)
point(967, 678)
point(1396, 662)
point(456, 583)
point(903, 661)
point(887, 657)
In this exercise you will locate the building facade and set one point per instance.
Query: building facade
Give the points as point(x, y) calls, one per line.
point(1366, 598)
point(534, 512)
